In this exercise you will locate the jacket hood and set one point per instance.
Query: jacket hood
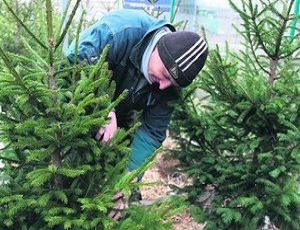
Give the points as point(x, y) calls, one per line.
point(138, 50)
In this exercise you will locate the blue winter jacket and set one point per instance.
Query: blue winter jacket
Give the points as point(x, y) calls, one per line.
point(127, 33)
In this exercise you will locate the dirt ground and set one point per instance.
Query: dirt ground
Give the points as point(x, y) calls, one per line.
point(162, 175)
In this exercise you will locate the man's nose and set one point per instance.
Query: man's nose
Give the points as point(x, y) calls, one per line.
point(164, 84)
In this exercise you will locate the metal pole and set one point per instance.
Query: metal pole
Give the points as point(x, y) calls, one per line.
point(172, 10)
point(296, 12)
point(119, 4)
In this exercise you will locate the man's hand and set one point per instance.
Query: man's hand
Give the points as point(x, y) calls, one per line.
point(121, 204)
point(105, 133)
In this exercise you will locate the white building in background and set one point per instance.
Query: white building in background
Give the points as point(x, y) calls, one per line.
point(216, 16)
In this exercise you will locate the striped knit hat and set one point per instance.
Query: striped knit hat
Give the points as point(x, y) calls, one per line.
point(183, 54)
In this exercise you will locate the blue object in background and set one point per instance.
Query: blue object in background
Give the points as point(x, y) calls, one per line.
point(162, 5)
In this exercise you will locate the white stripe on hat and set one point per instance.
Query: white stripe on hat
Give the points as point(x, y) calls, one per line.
point(200, 53)
point(199, 49)
point(191, 52)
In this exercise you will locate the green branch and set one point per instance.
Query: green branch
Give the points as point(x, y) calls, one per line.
point(14, 161)
point(60, 39)
point(64, 15)
point(51, 43)
point(25, 27)
point(77, 38)
point(8, 63)
point(18, 78)
point(282, 29)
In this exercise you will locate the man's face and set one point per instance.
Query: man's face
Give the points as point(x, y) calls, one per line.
point(158, 72)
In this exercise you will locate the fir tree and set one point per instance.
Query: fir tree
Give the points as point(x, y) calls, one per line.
point(56, 175)
point(243, 141)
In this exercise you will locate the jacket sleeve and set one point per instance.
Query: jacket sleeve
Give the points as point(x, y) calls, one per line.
point(92, 41)
point(91, 44)
point(142, 147)
point(150, 135)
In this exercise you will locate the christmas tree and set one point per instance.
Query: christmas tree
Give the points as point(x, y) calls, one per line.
point(241, 144)
point(56, 175)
